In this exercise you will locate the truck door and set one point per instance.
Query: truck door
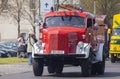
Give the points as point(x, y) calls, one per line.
point(91, 34)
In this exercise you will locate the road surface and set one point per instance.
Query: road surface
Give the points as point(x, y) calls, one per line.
point(112, 71)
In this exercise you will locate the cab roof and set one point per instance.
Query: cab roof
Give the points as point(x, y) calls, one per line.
point(69, 13)
point(116, 21)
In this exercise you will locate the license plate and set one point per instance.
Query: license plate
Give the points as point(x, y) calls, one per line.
point(57, 52)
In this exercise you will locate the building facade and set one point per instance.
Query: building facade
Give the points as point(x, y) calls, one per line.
point(8, 28)
point(8, 24)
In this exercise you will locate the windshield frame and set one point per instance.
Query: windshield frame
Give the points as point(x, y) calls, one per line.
point(62, 19)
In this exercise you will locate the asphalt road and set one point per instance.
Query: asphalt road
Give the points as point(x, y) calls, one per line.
point(112, 71)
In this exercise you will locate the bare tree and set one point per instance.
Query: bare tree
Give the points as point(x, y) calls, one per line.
point(4, 5)
point(107, 7)
point(87, 5)
point(16, 11)
point(31, 12)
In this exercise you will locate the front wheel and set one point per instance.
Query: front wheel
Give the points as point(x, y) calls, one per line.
point(86, 67)
point(94, 69)
point(101, 68)
point(113, 59)
point(38, 65)
point(59, 68)
point(51, 67)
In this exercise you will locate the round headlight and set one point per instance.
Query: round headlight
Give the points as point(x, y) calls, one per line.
point(81, 44)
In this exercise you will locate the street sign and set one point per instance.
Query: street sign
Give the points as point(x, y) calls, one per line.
point(45, 6)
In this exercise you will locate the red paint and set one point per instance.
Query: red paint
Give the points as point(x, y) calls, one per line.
point(61, 38)
point(64, 13)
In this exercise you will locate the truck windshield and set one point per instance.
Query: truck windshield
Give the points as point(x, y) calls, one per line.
point(116, 31)
point(74, 21)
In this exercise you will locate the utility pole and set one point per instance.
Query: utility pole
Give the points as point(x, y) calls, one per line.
point(57, 5)
point(39, 8)
point(94, 7)
point(40, 19)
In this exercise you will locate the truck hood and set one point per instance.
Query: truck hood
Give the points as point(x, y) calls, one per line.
point(65, 30)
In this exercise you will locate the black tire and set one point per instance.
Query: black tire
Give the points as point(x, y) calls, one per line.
point(0, 55)
point(86, 67)
point(38, 65)
point(51, 67)
point(100, 68)
point(59, 68)
point(113, 59)
point(94, 69)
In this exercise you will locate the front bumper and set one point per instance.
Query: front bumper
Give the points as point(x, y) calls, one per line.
point(59, 55)
point(116, 54)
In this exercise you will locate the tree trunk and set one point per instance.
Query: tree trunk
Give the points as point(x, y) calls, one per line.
point(34, 17)
point(18, 28)
point(34, 29)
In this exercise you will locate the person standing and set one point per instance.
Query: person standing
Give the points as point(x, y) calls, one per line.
point(21, 45)
point(30, 42)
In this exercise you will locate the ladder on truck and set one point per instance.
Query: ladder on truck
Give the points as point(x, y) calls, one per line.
point(67, 5)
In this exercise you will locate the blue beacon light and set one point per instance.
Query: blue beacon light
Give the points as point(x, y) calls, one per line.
point(52, 9)
point(81, 9)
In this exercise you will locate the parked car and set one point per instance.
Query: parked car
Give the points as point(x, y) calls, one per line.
point(11, 45)
point(9, 52)
point(10, 48)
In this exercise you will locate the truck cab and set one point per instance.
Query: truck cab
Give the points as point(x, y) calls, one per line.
point(69, 38)
point(115, 39)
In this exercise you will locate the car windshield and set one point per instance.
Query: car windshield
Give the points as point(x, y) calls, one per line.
point(116, 31)
point(74, 21)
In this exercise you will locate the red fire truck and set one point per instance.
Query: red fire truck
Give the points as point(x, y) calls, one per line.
point(69, 38)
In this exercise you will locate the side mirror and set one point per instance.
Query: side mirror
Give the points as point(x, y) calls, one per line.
point(95, 26)
point(44, 25)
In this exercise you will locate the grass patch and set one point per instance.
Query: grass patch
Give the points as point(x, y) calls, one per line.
point(12, 60)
